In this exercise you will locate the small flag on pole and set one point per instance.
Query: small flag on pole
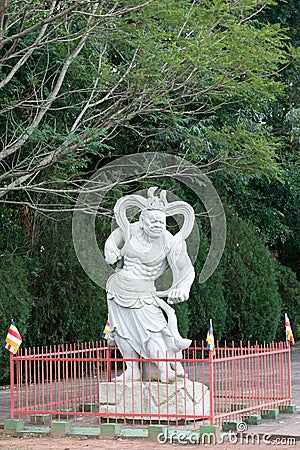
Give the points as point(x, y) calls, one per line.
point(106, 331)
point(210, 339)
point(288, 330)
point(13, 339)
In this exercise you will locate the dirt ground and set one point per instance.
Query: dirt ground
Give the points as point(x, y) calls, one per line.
point(25, 443)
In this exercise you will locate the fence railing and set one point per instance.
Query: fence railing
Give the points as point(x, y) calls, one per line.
point(87, 382)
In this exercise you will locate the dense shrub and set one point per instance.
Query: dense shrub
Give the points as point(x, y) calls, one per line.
point(289, 288)
point(15, 303)
point(207, 300)
point(69, 306)
point(250, 285)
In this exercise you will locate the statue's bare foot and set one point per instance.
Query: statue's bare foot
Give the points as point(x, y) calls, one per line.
point(179, 370)
point(167, 376)
point(128, 375)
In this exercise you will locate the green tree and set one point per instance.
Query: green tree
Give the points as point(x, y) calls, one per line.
point(68, 306)
point(289, 289)
point(250, 285)
point(15, 303)
point(77, 76)
point(83, 81)
point(242, 297)
point(272, 204)
point(207, 300)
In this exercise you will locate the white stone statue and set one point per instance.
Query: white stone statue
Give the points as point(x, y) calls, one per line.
point(143, 250)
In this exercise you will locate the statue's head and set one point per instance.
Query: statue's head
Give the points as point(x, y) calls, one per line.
point(153, 216)
point(154, 210)
point(153, 222)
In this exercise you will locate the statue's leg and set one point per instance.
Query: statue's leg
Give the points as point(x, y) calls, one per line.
point(157, 349)
point(177, 365)
point(133, 370)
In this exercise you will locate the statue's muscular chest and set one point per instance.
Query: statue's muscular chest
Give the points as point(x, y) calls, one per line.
point(148, 254)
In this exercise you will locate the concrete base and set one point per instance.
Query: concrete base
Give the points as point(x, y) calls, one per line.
point(255, 419)
point(230, 426)
point(60, 429)
point(12, 426)
point(155, 430)
point(110, 430)
point(89, 407)
point(40, 419)
point(270, 414)
point(134, 397)
point(209, 434)
point(291, 409)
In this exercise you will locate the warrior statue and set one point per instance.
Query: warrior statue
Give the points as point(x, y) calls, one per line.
point(143, 250)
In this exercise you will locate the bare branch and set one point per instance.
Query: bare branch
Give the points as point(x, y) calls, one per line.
point(40, 24)
point(21, 141)
point(57, 115)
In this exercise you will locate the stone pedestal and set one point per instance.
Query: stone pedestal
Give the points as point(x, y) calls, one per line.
point(183, 397)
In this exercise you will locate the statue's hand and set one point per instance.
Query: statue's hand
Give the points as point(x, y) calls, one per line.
point(177, 296)
point(112, 256)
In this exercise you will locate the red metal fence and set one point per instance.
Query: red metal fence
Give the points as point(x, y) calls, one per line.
point(84, 382)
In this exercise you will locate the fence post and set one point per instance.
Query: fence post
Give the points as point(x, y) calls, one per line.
point(289, 380)
point(211, 387)
point(12, 382)
point(108, 364)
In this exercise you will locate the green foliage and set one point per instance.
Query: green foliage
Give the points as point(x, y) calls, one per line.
point(289, 289)
point(69, 307)
point(272, 206)
point(250, 286)
point(201, 79)
point(139, 73)
point(234, 61)
point(15, 303)
point(11, 234)
point(182, 313)
point(286, 13)
point(207, 300)
point(242, 296)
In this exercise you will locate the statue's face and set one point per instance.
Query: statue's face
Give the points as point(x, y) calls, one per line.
point(153, 222)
